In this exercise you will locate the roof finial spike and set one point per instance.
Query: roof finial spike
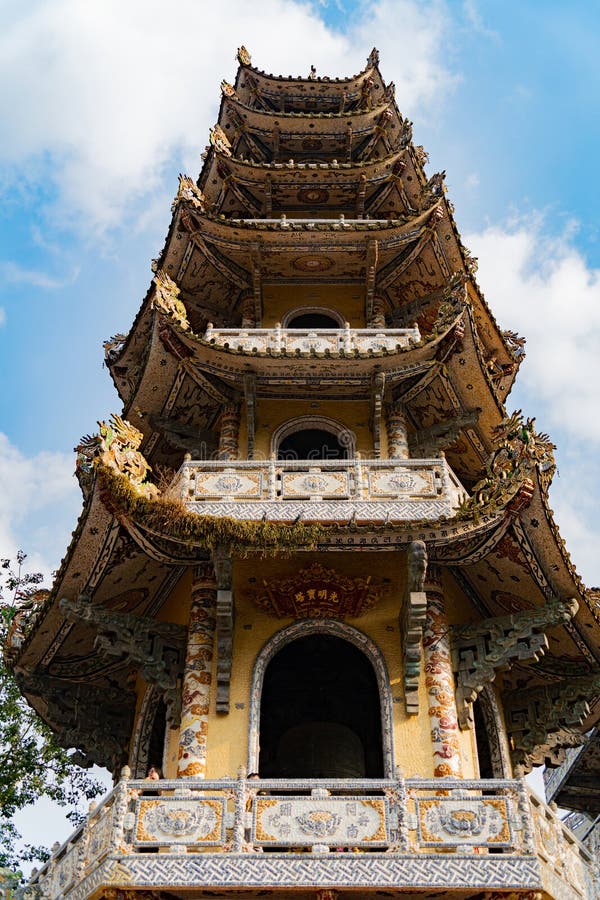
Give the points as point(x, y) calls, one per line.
point(373, 58)
point(243, 57)
point(312, 74)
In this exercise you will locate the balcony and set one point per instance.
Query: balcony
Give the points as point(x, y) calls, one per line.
point(414, 834)
point(336, 490)
point(327, 341)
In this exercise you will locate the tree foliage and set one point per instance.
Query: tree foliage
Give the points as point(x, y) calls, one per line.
point(32, 765)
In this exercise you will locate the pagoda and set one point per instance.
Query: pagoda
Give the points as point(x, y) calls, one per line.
point(316, 578)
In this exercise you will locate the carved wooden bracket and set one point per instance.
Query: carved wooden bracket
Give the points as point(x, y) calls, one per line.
point(95, 719)
point(545, 721)
point(156, 648)
point(427, 442)
point(480, 651)
point(412, 622)
point(223, 564)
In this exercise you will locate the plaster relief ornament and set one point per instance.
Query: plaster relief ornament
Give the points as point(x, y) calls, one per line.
point(190, 192)
point(166, 299)
point(243, 57)
point(116, 446)
point(373, 58)
point(219, 140)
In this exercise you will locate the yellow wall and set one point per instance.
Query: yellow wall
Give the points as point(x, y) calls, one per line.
point(271, 414)
point(348, 300)
point(228, 734)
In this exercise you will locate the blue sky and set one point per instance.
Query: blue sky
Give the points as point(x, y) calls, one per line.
point(105, 102)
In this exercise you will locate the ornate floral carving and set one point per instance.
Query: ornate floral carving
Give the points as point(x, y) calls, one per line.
point(518, 453)
point(166, 299)
point(116, 446)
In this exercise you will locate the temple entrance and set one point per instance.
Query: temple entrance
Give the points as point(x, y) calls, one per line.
point(320, 712)
point(312, 443)
point(484, 753)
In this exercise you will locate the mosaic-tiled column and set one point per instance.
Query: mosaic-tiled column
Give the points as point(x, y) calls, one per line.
point(377, 319)
point(439, 679)
point(197, 675)
point(230, 432)
point(397, 433)
point(248, 312)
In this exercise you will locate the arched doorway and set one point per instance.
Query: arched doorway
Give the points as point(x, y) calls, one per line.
point(492, 747)
point(148, 745)
point(320, 713)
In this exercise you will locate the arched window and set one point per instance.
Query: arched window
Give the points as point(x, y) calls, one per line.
point(492, 747)
point(320, 705)
point(313, 318)
point(313, 437)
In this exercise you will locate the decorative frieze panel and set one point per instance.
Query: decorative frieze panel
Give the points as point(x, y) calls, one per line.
point(328, 341)
point(331, 821)
point(405, 483)
point(315, 484)
point(443, 821)
point(229, 484)
point(184, 820)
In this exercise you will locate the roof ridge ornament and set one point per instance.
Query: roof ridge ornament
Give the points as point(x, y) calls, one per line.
point(219, 140)
point(166, 299)
point(243, 57)
point(227, 89)
point(189, 191)
point(115, 446)
point(373, 58)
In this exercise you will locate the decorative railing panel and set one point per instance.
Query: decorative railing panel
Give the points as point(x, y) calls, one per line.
point(278, 489)
point(332, 341)
point(422, 833)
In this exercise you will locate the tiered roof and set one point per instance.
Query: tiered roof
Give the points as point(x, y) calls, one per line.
point(314, 181)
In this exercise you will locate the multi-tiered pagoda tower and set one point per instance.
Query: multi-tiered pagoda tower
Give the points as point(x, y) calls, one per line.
point(315, 549)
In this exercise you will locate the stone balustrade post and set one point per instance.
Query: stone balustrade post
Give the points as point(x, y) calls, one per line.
point(197, 675)
point(229, 436)
point(397, 432)
point(439, 680)
point(120, 808)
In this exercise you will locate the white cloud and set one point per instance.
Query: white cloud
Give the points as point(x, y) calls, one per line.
point(542, 287)
point(100, 96)
point(13, 273)
point(40, 503)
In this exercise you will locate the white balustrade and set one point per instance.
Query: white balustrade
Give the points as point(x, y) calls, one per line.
point(397, 489)
point(331, 341)
point(409, 819)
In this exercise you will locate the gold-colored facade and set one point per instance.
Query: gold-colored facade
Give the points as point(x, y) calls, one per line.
point(319, 582)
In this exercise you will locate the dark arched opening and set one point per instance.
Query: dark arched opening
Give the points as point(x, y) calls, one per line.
point(484, 751)
point(313, 320)
point(320, 712)
point(156, 742)
point(312, 443)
